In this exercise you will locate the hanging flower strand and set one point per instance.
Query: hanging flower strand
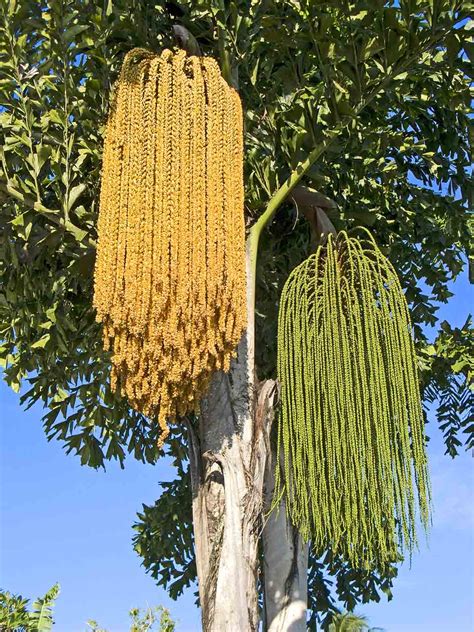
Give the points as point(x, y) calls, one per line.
point(350, 439)
point(170, 270)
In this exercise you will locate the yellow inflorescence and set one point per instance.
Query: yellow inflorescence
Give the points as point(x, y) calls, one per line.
point(351, 425)
point(170, 271)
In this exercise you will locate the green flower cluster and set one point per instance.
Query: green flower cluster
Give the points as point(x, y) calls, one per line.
point(350, 438)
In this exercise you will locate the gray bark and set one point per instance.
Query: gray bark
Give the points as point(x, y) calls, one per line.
point(285, 567)
point(229, 460)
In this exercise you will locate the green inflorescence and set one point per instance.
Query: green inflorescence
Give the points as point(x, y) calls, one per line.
point(351, 446)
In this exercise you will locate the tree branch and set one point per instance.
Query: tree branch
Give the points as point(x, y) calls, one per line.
point(224, 55)
point(7, 190)
point(313, 205)
point(280, 196)
point(305, 197)
point(298, 173)
point(186, 40)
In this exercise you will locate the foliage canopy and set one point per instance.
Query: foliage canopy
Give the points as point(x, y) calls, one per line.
point(16, 617)
point(376, 93)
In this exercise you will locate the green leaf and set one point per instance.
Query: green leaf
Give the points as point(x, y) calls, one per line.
point(42, 342)
point(41, 617)
point(72, 32)
point(74, 194)
point(19, 220)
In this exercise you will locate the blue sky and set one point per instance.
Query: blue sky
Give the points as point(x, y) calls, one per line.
point(63, 522)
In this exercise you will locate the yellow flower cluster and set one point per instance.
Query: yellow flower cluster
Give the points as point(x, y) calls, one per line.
point(170, 270)
point(351, 425)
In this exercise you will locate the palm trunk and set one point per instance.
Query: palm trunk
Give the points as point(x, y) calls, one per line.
point(227, 470)
point(229, 461)
point(227, 458)
point(285, 568)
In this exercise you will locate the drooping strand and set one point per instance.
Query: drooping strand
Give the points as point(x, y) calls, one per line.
point(350, 434)
point(170, 270)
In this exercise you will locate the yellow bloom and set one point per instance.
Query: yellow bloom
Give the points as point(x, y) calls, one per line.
point(170, 270)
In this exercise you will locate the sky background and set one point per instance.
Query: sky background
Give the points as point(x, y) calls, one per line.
point(60, 522)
